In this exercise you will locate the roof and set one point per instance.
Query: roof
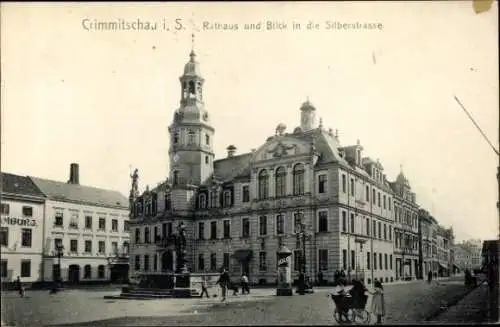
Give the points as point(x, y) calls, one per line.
point(60, 191)
point(229, 168)
point(21, 185)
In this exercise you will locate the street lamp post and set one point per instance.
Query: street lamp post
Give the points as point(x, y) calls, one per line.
point(300, 232)
point(60, 254)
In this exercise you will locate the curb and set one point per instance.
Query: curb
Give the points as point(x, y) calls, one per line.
point(452, 303)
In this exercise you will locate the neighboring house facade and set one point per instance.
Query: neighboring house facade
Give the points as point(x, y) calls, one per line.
point(21, 231)
point(468, 254)
point(88, 226)
point(428, 247)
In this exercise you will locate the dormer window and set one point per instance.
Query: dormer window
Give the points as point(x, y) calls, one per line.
point(202, 201)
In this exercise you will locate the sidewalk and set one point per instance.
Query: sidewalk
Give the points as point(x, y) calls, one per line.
point(472, 309)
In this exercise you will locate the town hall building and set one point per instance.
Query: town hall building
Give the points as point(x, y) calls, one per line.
point(239, 210)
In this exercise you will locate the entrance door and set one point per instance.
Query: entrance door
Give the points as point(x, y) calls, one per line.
point(56, 272)
point(74, 274)
point(245, 268)
point(167, 261)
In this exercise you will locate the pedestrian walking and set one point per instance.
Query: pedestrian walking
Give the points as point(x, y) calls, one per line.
point(378, 302)
point(429, 277)
point(204, 289)
point(244, 284)
point(223, 282)
point(19, 286)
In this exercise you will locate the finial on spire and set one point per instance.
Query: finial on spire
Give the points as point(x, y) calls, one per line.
point(358, 142)
point(192, 54)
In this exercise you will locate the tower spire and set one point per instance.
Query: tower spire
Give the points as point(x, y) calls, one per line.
point(192, 54)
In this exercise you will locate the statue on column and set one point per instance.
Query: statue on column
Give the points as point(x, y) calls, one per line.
point(134, 191)
point(181, 248)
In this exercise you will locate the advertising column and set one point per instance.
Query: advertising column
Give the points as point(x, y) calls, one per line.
point(284, 272)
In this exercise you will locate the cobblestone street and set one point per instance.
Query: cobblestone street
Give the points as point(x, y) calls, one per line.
point(406, 303)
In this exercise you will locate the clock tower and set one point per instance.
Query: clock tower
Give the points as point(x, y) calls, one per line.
point(191, 135)
point(307, 116)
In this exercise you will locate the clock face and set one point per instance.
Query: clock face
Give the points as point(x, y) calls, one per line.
point(176, 157)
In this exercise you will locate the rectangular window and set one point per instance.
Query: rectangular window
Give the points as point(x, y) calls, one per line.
point(296, 260)
point(323, 221)
point(137, 262)
point(26, 236)
point(344, 182)
point(263, 225)
point(25, 268)
point(201, 261)
point(146, 262)
point(367, 193)
point(344, 221)
point(213, 261)
point(88, 246)
point(385, 261)
point(352, 223)
point(27, 211)
point(137, 236)
point(389, 203)
point(227, 228)
point(155, 262)
point(378, 199)
point(73, 222)
point(390, 261)
point(102, 247)
point(280, 224)
point(73, 246)
point(322, 184)
point(344, 259)
point(57, 243)
point(262, 261)
point(5, 208)
point(102, 224)
point(207, 139)
point(88, 222)
point(368, 260)
point(323, 259)
point(58, 219)
point(374, 194)
point(126, 226)
point(246, 194)
point(245, 230)
point(114, 248)
point(367, 226)
point(168, 201)
point(353, 259)
point(385, 203)
point(352, 187)
point(226, 261)
point(226, 199)
point(201, 230)
point(3, 268)
point(385, 232)
point(4, 236)
point(374, 260)
point(390, 233)
point(379, 229)
point(157, 236)
point(380, 261)
point(213, 230)
point(114, 225)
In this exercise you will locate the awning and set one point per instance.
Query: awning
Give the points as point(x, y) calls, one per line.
point(242, 254)
point(442, 266)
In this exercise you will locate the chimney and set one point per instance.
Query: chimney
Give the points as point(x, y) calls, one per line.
point(73, 174)
point(231, 150)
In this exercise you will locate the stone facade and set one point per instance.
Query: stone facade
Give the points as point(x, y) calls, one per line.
point(239, 210)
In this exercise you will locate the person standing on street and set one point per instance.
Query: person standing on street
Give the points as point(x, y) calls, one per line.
point(244, 284)
point(223, 282)
point(204, 289)
point(19, 286)
point(378, 302)
point(429, 277)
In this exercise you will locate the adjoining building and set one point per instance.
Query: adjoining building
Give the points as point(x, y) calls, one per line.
point(21, 231)
point(86, 230)
point(468, 254)
point(239, 210)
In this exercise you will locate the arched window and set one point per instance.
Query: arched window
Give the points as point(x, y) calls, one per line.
point(203, 201)
point(191, 137)
point(192, 90)
point(87, 271)
point(101, 272)
point(263, 185)
point(227, 199)
point(146, 235)
point(298, 179)
point(280, 180)
point(280, 224)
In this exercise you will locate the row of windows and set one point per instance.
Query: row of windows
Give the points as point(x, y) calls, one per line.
point(406, 241)
point(25, 268)
point(381, 200)
point(211, 201)
point(382, 232)
point(280, 182)
point(381, 261)
point(26, 237)
point(87, 272)
point(74, 222)
point(405, 216)
point(191, 138)
point(147, 263)
point(27, 210)
point(73, 246)
point(166, 230)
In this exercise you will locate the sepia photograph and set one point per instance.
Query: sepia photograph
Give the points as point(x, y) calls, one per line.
point(249, 163)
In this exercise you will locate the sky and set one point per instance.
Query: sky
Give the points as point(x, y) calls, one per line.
point(104, 98)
